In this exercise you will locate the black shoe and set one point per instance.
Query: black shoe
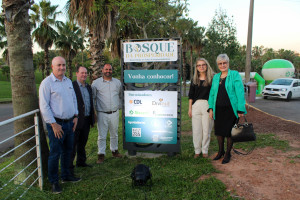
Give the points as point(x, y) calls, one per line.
point(226, 159)
point(71, 179)
point(83, 165)
point(72, 172)
point(56, 188)
point(219, 156)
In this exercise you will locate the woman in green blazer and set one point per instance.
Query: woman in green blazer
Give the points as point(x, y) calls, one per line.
point(226, 103)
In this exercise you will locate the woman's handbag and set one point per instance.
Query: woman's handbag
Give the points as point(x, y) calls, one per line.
point(242, 132)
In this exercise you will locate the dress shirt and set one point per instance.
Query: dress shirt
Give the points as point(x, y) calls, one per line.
point(86, 98)
point(107, 94)
point(57, 99)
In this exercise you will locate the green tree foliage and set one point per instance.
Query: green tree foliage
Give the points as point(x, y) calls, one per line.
point(139, 19)
point(38, 60)
point(82, 58)
point(3, 40)
point(192, 39)
point(5, 71)
point(69, 41)
point(43, 20)
point(221, 38)
point(149, 18)
point(99, 17)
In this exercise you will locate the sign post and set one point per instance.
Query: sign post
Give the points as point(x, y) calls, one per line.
point(151, 75)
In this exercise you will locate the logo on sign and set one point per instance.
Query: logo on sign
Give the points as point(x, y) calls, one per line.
point(161, 102)
point(169, 123)
point(136, 101)
point(153, 47)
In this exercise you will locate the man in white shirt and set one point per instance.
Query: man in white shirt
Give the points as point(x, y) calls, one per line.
point(107, 100)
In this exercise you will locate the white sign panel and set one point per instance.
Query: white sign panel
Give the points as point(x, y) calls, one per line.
point(150, 51)
point(151, 116)
point(158, 104)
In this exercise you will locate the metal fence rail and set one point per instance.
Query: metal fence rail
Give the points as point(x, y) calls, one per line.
point(38, 169)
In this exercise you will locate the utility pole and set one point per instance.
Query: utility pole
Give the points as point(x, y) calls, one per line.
point(249, 43)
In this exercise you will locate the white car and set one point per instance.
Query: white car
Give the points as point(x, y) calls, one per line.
point(284, 88)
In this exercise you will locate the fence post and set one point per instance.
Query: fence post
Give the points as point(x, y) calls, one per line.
point(38, 150)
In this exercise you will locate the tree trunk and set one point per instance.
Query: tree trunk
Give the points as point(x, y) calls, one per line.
point(249, 43)
point(82, 57)
point(191, 63)
point(184, 72)
point(24, 96)
point(145, 32)
point(96, 49)
point(46, 60)
point(70, 66)
point(43, 73)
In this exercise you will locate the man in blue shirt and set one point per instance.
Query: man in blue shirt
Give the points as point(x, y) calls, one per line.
point(86, 117)
point(58, 107)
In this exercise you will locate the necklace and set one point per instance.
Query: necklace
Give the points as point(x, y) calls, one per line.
point(221, 80)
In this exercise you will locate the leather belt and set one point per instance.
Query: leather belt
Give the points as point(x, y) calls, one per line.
point(63, 120)
point(109, 112)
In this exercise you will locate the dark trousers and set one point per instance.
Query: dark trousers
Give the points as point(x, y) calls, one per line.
point(60, 149)
point(80, 140)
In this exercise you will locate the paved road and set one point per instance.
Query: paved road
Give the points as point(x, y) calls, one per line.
point(279, 107)
point(6, 112)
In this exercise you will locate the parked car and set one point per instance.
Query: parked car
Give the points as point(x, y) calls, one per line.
point(284, 88)
point(187, 82)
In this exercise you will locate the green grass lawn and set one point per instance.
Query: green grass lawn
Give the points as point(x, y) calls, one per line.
point(174, 177)
point(5, 86)
point(5, 90)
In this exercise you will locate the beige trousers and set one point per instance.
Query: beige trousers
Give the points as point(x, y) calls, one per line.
point(202, 126)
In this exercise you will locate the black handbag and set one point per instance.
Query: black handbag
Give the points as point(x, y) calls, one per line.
point(242, 132)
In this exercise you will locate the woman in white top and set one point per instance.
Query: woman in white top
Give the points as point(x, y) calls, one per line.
point(198, 106)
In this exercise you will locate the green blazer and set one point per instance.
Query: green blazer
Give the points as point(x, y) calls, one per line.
point(235, 90)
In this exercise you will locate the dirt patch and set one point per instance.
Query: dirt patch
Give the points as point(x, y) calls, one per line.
point(266, 173)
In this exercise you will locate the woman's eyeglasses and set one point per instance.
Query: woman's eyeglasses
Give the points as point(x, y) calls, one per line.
point(203, 65)
point(222, 63)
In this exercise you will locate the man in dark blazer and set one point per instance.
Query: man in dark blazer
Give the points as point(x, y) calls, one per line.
point(86, 117)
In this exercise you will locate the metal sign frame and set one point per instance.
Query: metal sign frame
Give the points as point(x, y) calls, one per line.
point(170, 149)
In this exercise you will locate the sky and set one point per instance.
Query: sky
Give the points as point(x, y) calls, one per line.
point(275, 22)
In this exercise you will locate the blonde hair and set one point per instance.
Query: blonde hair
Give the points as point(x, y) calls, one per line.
point(209, 73)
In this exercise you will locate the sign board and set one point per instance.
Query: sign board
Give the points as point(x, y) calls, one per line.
point(150, 76)
point(151, 116)
point(150, 51)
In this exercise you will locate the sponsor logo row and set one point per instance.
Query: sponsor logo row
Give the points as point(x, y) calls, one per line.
point(160, 102)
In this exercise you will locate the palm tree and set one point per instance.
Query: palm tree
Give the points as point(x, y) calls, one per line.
point(195, 40)
point(99, 17)
point(183, 27)
point(24, 94)
point(43, 18)
point(70, 40)
point(38, 61)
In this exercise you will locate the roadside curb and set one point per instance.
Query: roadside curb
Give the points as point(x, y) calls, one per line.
point(3, 102)
point(272, 115)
